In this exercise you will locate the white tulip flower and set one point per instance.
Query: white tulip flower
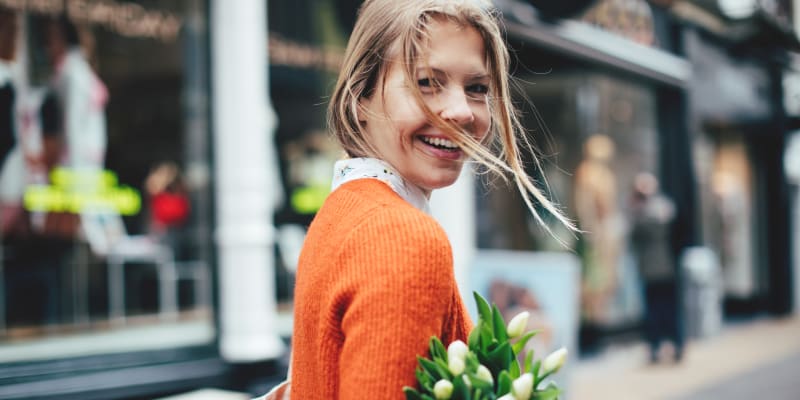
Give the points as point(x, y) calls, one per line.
point(484, 374)
point(457, 349)
point(443, 389)
point(518, 324)
point(456, 365)
point(554, 361)
point(467, 381)
point(522, 387)
point(507, 396)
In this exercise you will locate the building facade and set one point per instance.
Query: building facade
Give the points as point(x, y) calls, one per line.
point(169, 265)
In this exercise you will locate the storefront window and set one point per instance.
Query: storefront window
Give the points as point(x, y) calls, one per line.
point(727, 204)
point(106, 221)
point(594, 132)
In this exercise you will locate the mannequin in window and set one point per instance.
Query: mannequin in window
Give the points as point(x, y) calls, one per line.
point(599, 217)
point(81, 94)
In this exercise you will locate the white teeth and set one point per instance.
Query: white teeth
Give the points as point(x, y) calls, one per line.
point(439, 142)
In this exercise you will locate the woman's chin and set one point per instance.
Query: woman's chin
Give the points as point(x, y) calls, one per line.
point(439, 181)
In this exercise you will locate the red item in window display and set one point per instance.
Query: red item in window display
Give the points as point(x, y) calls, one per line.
point(170, 209)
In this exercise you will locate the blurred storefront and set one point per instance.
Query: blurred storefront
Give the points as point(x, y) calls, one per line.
point(107, 255)
point(741, 57)
point(603, 93)
point(676, 88)
point(176, 250)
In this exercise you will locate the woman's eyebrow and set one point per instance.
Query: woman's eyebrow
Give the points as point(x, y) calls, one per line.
point(476, 76)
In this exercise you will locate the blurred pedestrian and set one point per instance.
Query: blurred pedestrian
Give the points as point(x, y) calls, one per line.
point(423, 88)
point(168, 196)
point(651, 216)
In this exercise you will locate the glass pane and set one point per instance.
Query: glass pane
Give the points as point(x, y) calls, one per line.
point(595, 132)
point(106, 217)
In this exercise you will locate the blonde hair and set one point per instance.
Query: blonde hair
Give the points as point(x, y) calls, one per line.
point(386, 28)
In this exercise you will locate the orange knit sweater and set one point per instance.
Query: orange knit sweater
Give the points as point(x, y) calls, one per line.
point(374, 283)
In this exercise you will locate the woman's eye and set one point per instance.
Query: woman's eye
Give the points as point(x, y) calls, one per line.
point(478, 88)
point(427, 85)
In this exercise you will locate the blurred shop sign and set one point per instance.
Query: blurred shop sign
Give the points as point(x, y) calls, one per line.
point(289, 53)
point(631, 19)
point(308, 199)
point(79, 191)
point(125, 18)
point(724, 87)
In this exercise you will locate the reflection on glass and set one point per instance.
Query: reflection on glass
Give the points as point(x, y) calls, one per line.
point(594, 131)
point(105, 241)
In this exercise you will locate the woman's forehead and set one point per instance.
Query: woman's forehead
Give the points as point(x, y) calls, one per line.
point(435, 46)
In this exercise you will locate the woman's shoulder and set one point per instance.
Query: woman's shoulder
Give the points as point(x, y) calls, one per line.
point(366, 215)
point(370, 201)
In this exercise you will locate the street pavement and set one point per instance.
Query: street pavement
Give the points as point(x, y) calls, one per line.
point(756, 359)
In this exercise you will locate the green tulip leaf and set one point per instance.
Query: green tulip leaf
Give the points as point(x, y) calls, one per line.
point(442, 365)
point(425, 380)
point(436, 371)
point(487, 336)
point(484, 311)
point(513, 369)
point(473, 341)
point(471, 362)
point(536, 365)
point(411, 393)
point(506, 354)
point(480, 383)
point(460, 390)
point(437, 349)
point(503, 383)
point(549, 393)
point(529, 361)
point(520, 344)
point(498, 325)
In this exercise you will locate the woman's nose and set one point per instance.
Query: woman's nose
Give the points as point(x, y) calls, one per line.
point(456, 108)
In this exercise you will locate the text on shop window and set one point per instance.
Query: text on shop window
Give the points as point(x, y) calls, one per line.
point(83, 191)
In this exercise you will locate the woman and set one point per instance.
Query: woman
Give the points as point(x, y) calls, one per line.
point(423, 88)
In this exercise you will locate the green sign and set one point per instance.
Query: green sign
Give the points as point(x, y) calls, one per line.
point(83, 191)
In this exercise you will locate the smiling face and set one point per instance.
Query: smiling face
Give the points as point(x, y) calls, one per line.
point(454, 81)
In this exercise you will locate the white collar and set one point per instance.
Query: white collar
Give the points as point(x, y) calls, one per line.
point(372, 168)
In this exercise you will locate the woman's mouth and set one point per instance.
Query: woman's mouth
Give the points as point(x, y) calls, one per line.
point(440, 143)
point(441, 148)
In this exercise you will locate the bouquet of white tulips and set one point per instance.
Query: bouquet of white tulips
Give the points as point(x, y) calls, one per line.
point(489, 368)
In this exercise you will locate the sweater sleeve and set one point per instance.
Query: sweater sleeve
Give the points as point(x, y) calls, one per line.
point(402, 291)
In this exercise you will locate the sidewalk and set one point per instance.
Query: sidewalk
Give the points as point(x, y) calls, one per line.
point(745, 361)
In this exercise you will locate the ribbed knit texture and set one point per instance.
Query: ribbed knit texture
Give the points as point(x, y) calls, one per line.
point(374, 282)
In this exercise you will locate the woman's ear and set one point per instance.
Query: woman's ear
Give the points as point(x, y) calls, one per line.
point(367, 108)
point(361, 112)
